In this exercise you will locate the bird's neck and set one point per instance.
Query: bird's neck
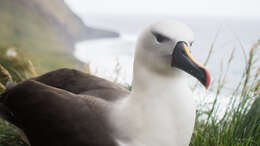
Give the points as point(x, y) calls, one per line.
point(148, 83)
point(159, 111)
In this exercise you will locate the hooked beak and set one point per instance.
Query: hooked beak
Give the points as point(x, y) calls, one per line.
point(182, 59)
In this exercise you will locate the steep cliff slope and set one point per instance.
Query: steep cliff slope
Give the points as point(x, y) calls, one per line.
point(44, 30)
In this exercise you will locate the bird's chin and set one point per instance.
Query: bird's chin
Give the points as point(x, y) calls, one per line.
point(162, 67)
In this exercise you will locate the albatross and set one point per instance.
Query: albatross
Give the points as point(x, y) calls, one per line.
point(67, 107)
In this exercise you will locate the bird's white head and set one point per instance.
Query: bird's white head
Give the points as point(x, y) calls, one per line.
point(162, 48)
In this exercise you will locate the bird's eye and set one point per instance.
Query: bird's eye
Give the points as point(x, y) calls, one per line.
point(160, 38)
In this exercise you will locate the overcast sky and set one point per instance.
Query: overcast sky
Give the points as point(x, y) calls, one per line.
point(240, 8)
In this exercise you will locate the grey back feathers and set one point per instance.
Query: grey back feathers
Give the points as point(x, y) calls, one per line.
point(64, 107)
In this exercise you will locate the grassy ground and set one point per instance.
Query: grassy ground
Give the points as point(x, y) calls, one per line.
point(239, 126)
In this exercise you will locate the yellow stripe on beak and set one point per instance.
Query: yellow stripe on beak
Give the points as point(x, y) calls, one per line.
point(192, 58)
point(200, 65)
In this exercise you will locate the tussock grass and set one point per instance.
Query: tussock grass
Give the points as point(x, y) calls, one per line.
point(240, 124)
point(12, 68)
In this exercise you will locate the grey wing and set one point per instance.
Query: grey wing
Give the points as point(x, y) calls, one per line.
point(79, 82)
point(50, 116)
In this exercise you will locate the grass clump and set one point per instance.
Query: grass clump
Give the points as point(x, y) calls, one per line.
point(9, 135)
point(13, 67)
point(240, 123)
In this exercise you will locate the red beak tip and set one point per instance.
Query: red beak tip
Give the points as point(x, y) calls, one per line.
point(208, 79)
